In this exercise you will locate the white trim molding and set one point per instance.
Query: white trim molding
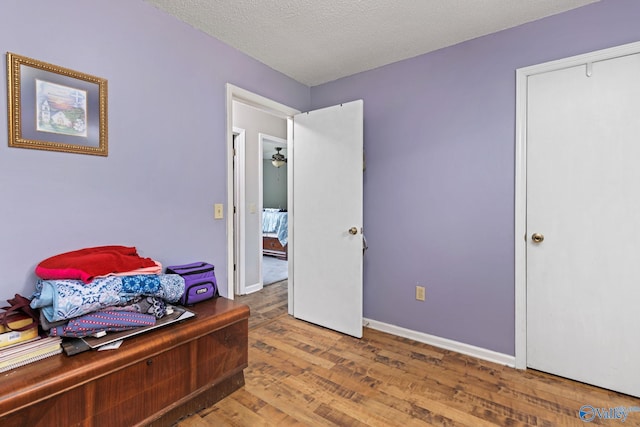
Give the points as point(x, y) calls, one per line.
point(249, 289)
point(239, 212)
point(447, 344)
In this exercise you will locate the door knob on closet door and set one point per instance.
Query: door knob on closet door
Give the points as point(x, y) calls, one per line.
point(537, 237)
point(353, 230)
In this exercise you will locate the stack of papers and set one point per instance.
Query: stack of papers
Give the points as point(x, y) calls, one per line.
point(29, 352)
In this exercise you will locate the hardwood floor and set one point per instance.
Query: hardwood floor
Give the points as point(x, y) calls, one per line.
point(302, 375)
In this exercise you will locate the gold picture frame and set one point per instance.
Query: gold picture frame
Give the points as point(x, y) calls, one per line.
point(54, 108)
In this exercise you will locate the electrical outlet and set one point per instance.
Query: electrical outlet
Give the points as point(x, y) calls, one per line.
point(420, 293)
point(217, 211)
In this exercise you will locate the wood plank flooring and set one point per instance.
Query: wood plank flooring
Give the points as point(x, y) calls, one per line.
point(302, 375)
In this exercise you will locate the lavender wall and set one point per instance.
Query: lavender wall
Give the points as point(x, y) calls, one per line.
point(167, 148)
point(439, 139)
point(439, 184)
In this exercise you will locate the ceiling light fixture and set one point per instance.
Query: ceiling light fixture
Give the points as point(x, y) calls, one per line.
point(278, 159)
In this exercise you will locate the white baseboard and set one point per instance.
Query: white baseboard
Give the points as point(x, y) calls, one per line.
point(447, 344)
point(249, 289)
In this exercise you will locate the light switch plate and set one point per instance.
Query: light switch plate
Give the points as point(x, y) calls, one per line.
point(218, 211)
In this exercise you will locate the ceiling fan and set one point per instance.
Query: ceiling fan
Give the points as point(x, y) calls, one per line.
point(278, 159)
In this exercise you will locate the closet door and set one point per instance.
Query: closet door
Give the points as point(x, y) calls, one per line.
point(583, 223)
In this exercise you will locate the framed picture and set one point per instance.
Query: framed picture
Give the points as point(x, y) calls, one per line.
point(55, 108)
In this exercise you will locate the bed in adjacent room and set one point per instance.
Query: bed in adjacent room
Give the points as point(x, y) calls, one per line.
point(275, 229)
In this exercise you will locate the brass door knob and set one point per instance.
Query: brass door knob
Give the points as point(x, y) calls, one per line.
point(537, 237)
point(353, 230)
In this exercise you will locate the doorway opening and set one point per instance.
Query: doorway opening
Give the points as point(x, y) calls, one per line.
point(274, 209)
point(325, 244)
point(245, 201)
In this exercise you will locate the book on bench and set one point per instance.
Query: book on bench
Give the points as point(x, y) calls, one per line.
point(29, 352)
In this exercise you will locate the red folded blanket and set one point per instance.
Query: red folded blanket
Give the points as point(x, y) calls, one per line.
point(85, 264)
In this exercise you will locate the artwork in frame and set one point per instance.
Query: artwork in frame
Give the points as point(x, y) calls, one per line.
point(55, 108)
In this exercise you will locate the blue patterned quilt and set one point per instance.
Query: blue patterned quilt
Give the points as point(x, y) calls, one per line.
point(66, 299)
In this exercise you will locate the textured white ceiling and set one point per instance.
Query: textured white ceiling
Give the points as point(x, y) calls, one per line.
point(316, 41)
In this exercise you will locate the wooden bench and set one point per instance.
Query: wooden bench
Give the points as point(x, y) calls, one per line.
point(153, 379)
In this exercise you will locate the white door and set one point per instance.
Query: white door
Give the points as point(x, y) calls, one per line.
point(326, 217)
point(583, 198)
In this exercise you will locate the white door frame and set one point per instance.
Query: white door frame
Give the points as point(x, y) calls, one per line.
point(522, 75)
point(235, 93)
point(239, 213)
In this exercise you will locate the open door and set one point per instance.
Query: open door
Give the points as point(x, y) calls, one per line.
point(326, 217)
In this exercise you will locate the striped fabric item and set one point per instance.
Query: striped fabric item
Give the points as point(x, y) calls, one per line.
point(99, 321)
